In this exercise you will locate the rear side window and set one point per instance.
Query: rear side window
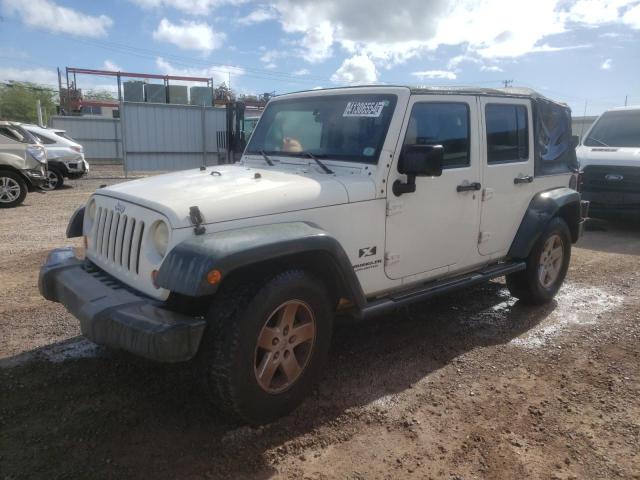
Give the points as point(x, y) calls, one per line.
point(507, 133)
point(44, 140)
point(445, 124)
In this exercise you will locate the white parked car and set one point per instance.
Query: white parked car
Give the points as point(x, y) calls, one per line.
point(609, 159)
point(353, 200)
point(65, 156)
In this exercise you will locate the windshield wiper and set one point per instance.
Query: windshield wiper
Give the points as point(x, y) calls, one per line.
point(266, 158)
point(598, 140)
point(320, 164)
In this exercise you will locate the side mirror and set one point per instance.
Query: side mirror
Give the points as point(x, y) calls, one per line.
point(418, 161)
point(575, 141)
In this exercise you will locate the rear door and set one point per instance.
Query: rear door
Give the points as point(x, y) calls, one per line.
point(507, 171)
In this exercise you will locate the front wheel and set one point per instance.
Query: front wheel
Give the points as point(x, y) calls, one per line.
point(547, 266)
point(265, 345)
point(13, 189)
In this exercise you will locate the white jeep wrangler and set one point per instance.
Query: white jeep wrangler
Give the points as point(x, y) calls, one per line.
point(352, 200)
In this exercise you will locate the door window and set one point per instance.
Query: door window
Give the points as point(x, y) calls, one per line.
point(507, 133)
point(445, 124)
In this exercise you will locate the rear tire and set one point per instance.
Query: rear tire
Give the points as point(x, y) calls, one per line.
point(547, 266)
point(265, 345)
point(55, 180)
point(13, 189)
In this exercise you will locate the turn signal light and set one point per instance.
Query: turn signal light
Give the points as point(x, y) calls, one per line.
point(214, 277)
point(154, 276)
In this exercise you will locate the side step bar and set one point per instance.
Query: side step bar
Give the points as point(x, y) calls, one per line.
point(439, 287)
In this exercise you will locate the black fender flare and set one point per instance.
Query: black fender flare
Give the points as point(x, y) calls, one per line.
point(185, 268)
point(74, 227)
point(563, 202)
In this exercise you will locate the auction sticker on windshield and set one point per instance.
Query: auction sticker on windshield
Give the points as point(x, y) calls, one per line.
point(363, 109)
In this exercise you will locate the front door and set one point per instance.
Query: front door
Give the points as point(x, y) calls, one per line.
point(507, 171)
point(435, 229)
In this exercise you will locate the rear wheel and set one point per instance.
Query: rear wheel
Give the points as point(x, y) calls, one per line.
point(265, 345)
point(547, 266)
point(54, 180)
point(13, 189)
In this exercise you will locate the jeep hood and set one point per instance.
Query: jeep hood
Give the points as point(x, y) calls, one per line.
point(234, 192)
point(608, 156)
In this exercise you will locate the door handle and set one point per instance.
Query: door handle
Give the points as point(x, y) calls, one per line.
point(467, 187)
point(525, 179)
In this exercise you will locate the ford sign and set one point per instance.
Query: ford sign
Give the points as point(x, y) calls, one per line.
point(613, 177)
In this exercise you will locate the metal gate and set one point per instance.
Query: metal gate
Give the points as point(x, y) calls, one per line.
point(100, 137)
point(172, 137)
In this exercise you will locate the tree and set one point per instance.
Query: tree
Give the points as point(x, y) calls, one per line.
point(18, 101)
point(98, 94)
point(224, 93)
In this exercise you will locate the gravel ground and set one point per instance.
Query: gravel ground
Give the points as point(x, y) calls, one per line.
point(471, 385)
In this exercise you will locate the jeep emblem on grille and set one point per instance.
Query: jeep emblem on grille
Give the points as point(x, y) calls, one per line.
point(613, 177)
point(119, 207)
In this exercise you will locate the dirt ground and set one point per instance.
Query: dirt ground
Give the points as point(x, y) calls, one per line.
point(468, 386)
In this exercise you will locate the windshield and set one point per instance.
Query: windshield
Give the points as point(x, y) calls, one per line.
point(342, 127)
point(616, 129)
point(17, 133)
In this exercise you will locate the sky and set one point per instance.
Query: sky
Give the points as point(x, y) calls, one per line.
point(583, 52)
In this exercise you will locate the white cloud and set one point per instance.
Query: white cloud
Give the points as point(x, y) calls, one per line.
point(49, 16)
point(189, 35)
point(190, 7)
point(271, 66)
point(301, 72)
point(356, 70)
point(435, 74)
point(597, 12)
point(218, 73)
point(606, 65)
point(41, 76)
point(109, 65)
point(394, 32)
point(632, 17)
point(491, 68)
point(258, 16)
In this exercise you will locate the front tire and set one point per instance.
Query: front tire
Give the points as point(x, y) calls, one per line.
point(265, 345)
point(13, 189)
point(547, 266)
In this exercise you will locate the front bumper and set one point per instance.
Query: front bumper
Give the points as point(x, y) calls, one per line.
point(112, 315)
point(613, 204)
point(36, 177)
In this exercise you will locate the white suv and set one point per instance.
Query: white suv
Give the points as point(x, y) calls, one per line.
point(65, 155)
point(352, 200)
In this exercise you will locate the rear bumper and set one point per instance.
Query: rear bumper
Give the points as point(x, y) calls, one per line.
point(112, 315)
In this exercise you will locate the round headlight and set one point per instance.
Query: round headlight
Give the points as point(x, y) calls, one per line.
point(91, 210)
point(161, 237)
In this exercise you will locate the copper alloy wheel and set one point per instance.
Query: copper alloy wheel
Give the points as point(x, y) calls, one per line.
point(284, 346)
point(551, 260)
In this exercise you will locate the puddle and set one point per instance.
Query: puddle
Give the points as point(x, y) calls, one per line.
point(57, 353)
point(575, 306)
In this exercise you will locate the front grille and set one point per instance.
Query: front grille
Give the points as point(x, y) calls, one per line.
point(595, 179)
point(117, 239)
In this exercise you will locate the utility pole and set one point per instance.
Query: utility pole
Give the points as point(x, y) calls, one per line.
point(507, 83)
point(39, 111)
point(626, 97)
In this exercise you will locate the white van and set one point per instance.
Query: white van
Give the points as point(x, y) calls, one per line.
point(609, 158)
